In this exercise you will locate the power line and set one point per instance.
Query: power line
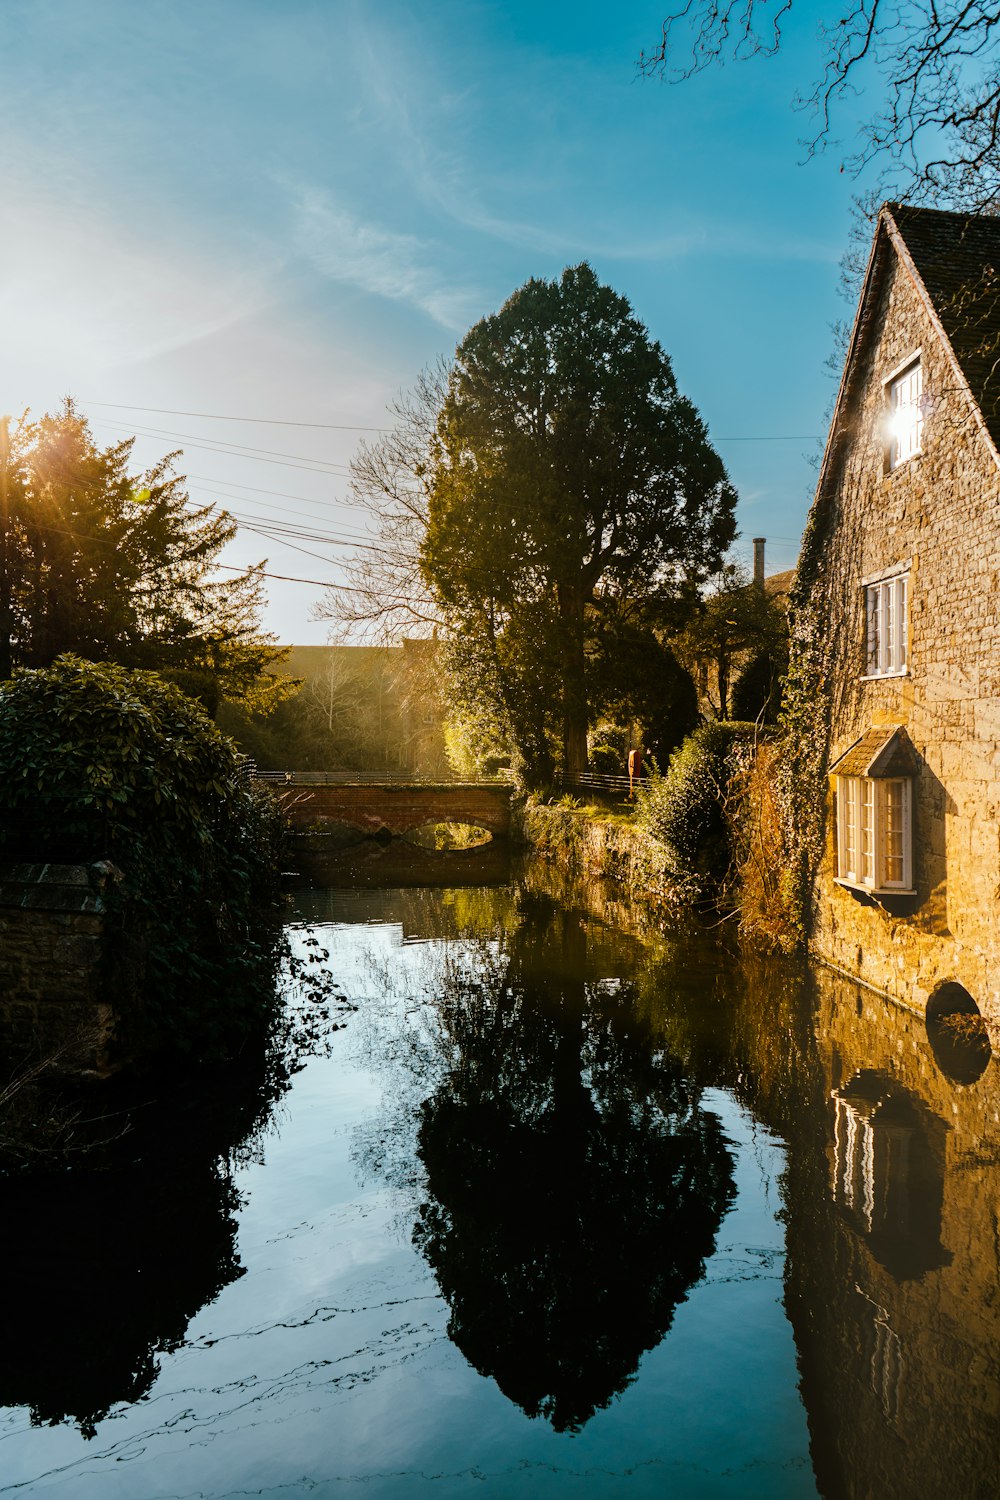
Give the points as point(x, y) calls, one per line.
point(283, 577)
point(235, 484)
point(277, 515)
point(344, 588)
point(236, 450)
point(212, 416)
point(167, 411)
point(310, 467)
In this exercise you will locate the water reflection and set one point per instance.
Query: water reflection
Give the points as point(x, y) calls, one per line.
point(888, 1172)
point(524, 1093)
point(102, 1273)
point(574, 1183)
point(893, 1276)
point(104, 1266)
point(893, 1284)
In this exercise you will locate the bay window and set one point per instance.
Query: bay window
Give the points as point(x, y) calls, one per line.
point(874, 845)
point(874, 785)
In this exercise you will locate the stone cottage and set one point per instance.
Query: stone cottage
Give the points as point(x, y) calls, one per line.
point(904, 550)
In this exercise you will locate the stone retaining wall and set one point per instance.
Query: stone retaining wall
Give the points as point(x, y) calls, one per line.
point(55, 961)
point(583, 844)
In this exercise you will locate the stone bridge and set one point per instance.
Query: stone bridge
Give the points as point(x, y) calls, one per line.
point(394, 807)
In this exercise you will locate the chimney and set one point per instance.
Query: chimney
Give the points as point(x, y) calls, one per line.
point(758, 560)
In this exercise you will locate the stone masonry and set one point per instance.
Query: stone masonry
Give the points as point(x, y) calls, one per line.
point(398, 808)
point(54, 966)
point(940, 511)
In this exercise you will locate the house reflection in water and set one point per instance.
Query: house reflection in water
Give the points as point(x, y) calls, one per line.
point(892, 1273)
point(887, 1173)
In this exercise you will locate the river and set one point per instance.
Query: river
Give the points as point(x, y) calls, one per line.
point(551, 1204)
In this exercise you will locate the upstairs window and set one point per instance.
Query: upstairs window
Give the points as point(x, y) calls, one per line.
point(904, 397)
point(887, 625)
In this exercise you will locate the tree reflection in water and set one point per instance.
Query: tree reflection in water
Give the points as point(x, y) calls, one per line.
point(574, 1183)
point(105, 1271)
point(103, 1267)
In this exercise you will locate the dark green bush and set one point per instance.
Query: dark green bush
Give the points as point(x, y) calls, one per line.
point(99, 762)
point(686, 808)
point(756, 692)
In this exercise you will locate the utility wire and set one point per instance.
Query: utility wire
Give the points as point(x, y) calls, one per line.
point(327, 471)
point(284, 577)
point(212, 416)
point(237, 450)
point(234, 484)
point(167, 411)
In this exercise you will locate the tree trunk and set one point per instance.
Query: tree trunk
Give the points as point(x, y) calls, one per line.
point(723, 687)
point(574, 687)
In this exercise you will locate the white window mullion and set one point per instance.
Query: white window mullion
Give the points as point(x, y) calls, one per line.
point(872, 661)
point(868, 831)
point(888, 634)
point(875, 832)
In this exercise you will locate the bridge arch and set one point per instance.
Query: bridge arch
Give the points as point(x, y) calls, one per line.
point(398, 807)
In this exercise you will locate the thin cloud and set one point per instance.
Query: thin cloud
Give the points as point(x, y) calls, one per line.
point(414, 121)
point(346, 248)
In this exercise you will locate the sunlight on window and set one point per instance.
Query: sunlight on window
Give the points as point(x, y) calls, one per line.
point(905, 416)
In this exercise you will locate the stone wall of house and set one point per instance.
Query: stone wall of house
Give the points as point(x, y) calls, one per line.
point(55, 959)
point(941, 510)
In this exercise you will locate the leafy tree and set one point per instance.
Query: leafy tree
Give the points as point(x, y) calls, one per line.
point(937, 67)
point(735, 620)
point(567, 476)
point(500, 687)
point(115, 567)
point(635, 679)
point(757, 690)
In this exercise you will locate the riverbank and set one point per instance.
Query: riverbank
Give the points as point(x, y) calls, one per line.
point(589, 841)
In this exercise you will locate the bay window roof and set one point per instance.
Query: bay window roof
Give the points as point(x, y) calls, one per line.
point(880, 753)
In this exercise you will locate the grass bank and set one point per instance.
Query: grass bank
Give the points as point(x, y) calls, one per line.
point(591, 841)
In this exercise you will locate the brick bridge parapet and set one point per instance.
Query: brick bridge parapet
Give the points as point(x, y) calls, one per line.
point(397, 807)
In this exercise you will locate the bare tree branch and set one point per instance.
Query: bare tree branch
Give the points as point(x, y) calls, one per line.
point(936, 64)
point(386, 597)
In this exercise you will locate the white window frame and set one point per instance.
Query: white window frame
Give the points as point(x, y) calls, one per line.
point(904, 402)
point(875, 834)
point(887, 624)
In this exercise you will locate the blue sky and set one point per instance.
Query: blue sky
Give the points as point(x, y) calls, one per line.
point(285, 208)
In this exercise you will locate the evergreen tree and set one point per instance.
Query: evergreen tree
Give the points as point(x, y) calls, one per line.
point(567, 476)
point(116, 567)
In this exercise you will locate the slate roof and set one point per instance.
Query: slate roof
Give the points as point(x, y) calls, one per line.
point(957, 257)
point(879, 753)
